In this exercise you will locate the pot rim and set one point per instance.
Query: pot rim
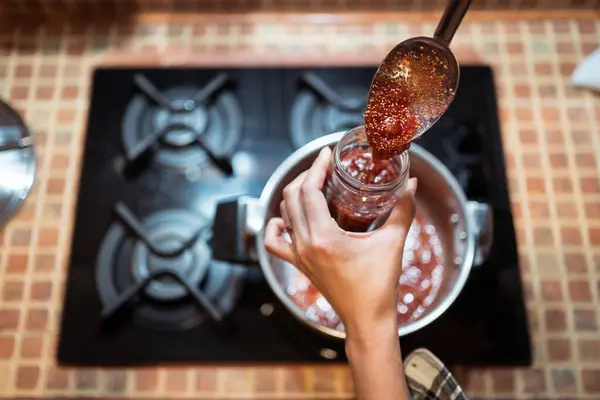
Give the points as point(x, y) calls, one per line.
point(331, 139)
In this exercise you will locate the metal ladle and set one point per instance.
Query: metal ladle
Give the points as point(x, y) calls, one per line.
point(404, 67)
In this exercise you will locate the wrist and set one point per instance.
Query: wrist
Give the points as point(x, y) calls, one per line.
point(367, 323)
point(381, 342)
point(362, 335)
point(376, 364)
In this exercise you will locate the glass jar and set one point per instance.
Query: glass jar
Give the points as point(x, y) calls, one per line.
point(361, 192)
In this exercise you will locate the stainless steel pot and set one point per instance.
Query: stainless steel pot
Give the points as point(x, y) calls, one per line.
point(465, 228)
point(17, 163)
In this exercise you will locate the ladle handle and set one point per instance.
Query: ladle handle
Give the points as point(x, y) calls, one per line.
point(451, 19)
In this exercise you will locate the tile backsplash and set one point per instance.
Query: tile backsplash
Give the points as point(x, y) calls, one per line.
point(92, 6)
point(550, 131)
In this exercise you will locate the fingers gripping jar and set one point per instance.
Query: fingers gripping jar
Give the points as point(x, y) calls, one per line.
point(360, 191)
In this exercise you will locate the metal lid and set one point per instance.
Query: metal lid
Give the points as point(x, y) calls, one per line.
point(17, 162)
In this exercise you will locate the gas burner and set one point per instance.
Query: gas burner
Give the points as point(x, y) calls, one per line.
point(163, 265)
point(196, 121)
point(319, 109)
point(185, 128)
point(462, 153)
point(170, 230)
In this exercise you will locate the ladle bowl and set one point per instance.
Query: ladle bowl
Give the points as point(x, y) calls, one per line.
point(422, 72)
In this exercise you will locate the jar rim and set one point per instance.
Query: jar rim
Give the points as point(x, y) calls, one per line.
point(403, 161)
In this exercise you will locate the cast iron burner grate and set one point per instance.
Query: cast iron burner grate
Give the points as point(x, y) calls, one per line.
point(187, 127)
point(162, 267)
point(319, 109)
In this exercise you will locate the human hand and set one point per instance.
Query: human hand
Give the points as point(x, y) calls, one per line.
point(358, 273)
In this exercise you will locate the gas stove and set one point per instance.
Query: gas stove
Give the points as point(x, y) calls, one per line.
point(164, 147)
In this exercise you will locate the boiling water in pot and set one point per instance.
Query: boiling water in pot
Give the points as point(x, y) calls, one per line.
point(422, 275)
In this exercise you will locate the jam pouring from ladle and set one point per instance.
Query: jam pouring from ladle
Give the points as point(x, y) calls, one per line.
point(414, 86)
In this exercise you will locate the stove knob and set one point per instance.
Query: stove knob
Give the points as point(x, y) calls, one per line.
point(266, 309)
point(328, 354)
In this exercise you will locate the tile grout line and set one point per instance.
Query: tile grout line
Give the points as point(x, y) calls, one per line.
point(35, 231)
point(68, 193)
point(582, 222)
point(57, 276)
point(529, 223)
point(596, 144)
point(539, 128)
point(521, 179)
point(554, 216)
point(48, 146)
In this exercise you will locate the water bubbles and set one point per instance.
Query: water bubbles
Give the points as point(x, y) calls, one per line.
point(428, 300)
point(426, 256)
point(410, 242)
point(430, 229)
point(402, 309)
point(303, 283)
point(323, 304)
point(418, 312)
point(415, 229)
point(331, 316)
point(311, 313)
point(408, 298)
point(436, 274)
point(413, 273)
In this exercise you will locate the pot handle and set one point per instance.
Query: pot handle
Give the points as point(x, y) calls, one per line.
point(481, 217)
point(236, 225)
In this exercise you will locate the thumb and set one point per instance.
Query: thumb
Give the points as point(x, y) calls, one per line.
point(404, 211)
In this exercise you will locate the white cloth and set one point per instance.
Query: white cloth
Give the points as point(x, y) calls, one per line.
point(587, 73)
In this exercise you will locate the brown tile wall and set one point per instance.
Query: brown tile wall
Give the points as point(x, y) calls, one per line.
point(552, 142)
point(62, 6)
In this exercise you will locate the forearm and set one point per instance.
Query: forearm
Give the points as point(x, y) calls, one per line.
point(376, 364)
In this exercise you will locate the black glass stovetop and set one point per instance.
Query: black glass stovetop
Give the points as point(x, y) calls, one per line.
point(165, 146)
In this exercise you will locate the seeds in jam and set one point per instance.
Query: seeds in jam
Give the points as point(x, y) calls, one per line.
point(359, 163)
point(357, 211)
point(408, 94)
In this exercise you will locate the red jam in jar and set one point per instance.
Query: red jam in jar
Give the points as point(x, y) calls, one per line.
point(361, 190)
point(360, 164)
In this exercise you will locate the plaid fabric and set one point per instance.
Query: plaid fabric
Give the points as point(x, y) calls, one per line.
point(429, 379)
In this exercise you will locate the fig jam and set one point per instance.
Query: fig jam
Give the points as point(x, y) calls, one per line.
point(361, 190)
point(422, 274)
point(410, 91)
point(360, 164)
point(358, 212)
